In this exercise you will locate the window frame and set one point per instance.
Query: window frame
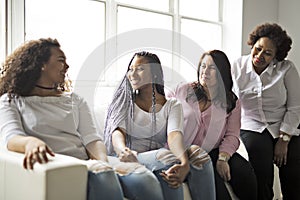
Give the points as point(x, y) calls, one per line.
point(15, 26)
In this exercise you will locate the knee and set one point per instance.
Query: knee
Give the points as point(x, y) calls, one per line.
point(197, 156)
point(97, 166)
point(125, 168)
point(166, 157)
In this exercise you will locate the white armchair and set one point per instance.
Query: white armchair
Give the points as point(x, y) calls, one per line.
point(63, 178)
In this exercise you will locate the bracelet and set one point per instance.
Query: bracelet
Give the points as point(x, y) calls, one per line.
point(223, 158)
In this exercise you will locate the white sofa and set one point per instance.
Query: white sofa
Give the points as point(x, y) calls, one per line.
point(63, 178)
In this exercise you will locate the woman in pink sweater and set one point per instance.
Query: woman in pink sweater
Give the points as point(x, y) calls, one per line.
point(212, 120)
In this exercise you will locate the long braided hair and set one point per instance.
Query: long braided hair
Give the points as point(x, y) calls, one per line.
point(124, 98)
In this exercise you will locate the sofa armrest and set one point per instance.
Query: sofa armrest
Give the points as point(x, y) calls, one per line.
point(63, 177)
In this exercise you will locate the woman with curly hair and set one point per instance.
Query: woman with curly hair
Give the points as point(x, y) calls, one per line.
point(39, 117)
point(268, 87)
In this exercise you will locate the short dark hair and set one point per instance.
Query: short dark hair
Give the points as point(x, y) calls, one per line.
point(275, 33)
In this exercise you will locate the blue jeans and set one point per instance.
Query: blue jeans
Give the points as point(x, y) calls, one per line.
point(141, 185)
point(104, 185)
point(200, 180)
point(137, 181)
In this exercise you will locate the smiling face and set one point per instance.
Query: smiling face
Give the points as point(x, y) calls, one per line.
point(263, 52)
point(208, 72)
point(54, 71)
point(139, 73)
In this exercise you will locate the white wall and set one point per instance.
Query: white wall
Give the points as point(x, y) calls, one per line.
point(257, 12)
point(284, 12)
point(289, 14)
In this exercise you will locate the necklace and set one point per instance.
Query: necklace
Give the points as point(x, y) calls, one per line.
point(46, 88)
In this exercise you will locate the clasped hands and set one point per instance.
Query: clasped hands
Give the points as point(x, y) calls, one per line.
point(174, 176)
point(128, 155)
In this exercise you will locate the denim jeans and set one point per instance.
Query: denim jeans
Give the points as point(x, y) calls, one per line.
point(141, 185)
point(104, 185)
point(136, 180)
point(200, 179)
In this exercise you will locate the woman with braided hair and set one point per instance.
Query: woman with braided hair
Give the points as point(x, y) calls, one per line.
point(143, 126)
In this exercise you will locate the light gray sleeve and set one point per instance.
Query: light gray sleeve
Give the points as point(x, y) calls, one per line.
point(86, 124)
point(10, 120)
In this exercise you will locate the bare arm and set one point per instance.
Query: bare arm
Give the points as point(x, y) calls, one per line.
point(176, 174)
point(35, 150)
point(97, 150)
point(175, 142)
point(119, 142)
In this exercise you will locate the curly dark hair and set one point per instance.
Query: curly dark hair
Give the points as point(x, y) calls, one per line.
point(22, 69)
point(274, 32)
point(224, 95)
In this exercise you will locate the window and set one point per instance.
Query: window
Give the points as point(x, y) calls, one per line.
point(200, 9)
point(3, 30)
point(100, 36)
point(158, 5)
point(207, 35)
point(145, 27)
point(79, 26)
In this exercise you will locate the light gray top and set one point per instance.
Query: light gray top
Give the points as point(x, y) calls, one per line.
point(168, 119)
point(64, 123)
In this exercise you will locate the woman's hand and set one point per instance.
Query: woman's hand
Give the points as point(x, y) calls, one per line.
point(223, 170)
point(36, 151)
point(128, 155)
point(176, 174)
point(280, 152)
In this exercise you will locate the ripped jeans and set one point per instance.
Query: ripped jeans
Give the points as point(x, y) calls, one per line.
point(137, 182)
point(200, 179)
point(103, 185)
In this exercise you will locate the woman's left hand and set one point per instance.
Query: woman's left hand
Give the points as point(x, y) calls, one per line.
point(176, 174)
point(223, 170)
point(280, 153)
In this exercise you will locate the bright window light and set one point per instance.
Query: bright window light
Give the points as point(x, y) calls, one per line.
point(127, 21)
point(79, 26)
point(159, 5)
point(200, 9)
